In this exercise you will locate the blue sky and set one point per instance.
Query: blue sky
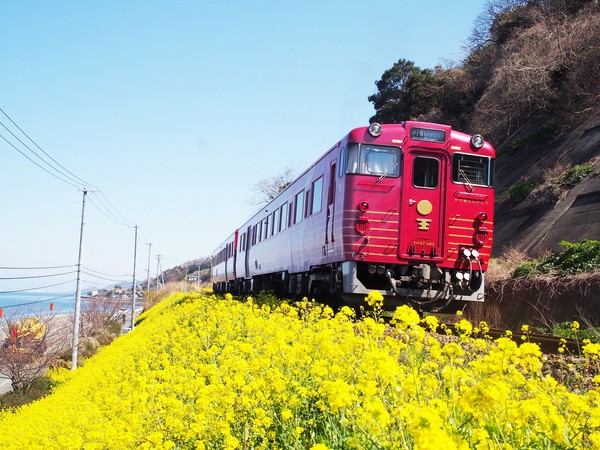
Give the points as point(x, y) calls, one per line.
point(176, 109)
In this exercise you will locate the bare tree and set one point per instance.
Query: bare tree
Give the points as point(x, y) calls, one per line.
point(482, 31)
point(31, 345)
point(268, 188)
point(98, 315)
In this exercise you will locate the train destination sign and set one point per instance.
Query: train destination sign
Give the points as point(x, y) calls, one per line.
point(425, 134)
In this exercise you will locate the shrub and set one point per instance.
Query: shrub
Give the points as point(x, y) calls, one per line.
point(527, 270)
point(575, 174)
point(515, 145)
point(39, 388)
point(520, 191)
point(544, 132)
point(567, 330)
point(579, 257)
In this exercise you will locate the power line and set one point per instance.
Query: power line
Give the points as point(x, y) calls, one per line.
point(115, 209)
point(108, 274)
point(43, 168)
point(107, 213)
point(70, 175)
point(101, 278)
point(35, 288)
point(38, 276)
point(37, 268)
point(37, 301)
point(62, 173)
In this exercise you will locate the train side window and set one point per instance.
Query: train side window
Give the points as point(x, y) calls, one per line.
point(242, 240)
point(299, 207)
point(471, 169)
point(317, 196)
point(266, 227)
point(276, 224)
point(307, 205)
point(291, 214)
point(342, 161)
point(284, 216)
point(426, 172)
point(259, 232)
point(352, 159)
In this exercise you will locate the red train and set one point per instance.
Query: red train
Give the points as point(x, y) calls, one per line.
point(405, 209)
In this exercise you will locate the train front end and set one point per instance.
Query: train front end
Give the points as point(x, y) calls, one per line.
point(418, 214)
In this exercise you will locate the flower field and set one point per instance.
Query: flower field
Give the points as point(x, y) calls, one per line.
point(210, 373)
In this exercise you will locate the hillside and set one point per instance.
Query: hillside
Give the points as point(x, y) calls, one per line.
point(540, 107)
point(530, 85)
point(550, 213)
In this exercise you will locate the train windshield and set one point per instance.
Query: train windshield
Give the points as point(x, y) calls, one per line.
point(376, 160)
point(472, 169)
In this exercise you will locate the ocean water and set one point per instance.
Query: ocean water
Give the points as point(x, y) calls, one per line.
point(36, 303)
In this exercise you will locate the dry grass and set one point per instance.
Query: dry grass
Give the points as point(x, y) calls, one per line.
point(502, 268)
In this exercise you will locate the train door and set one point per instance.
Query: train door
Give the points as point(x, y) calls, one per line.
point(329, 225)
point(422, 206)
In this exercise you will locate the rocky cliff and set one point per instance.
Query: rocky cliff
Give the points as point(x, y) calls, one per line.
point(550, 213)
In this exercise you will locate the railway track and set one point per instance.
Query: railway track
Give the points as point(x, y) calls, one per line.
point(547, 344)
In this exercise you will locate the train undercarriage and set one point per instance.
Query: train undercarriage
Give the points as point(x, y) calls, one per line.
point(424, 286)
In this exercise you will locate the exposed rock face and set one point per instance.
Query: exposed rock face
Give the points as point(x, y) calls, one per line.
point(539, 223)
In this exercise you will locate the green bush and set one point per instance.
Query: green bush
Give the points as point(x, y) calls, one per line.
point(579, 257)
point(515, 145)
point(544, 133)
point(39, 388)
point(575, 174)
point(520, 191)
point(527, 270)
point(566, 330)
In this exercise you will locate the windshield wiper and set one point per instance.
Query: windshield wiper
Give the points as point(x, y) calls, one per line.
point(466, 178)
point(387, 172)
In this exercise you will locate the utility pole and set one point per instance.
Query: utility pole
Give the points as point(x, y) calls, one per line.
point(77, 315)
point(133, 289)
point(158, 274)
point(148, 280)
point(198, 277)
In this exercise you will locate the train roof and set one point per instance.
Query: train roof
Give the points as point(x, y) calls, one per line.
point(391, 134)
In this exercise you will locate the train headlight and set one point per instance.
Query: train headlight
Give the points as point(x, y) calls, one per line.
point(482, 217)
point(375, 129)
point(363, 207)
point(477, 141)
